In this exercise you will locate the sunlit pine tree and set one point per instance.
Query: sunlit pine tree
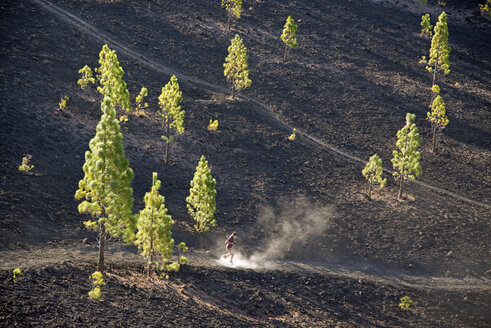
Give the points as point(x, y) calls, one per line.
point(373, 173)
point(172, 115)
point(201, 202)
point(440, 49)
point(154, 237)
point(106, 186)
point(289, 35)
point(110, 75)
point(438, 118)
point(233, 8)
point(406, 160)
point(236, 65)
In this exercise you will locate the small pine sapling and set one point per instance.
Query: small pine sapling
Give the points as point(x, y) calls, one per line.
point(293, 136)
point(201, 202)
point(15, 274)
point(213, 126)
point(406, 303)
point(426, 26)
point(97, 281)
point(406, 160)
point(236, 66)
point(106, 186)
point(62, 103)
point(154, 237)
point(26, 165)
point(86, 77)
point(373, 173)
point(233, 8)
point(289, 35)
point(170, 110)
point(182, 249)
point(485, 8)
point(140, 104)
point(437, 117)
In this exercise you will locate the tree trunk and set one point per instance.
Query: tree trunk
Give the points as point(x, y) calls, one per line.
point(233, 92)
point(400, 187)
point(229, 19)
point(434, 74)
point(433, 148)
point(102, 244)
point(369, 190)
point(167, 144)
point(284, 56)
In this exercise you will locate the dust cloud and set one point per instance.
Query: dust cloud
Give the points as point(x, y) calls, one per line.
point(293, 226)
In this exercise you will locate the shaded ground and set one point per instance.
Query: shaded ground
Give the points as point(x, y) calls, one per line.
point(349, 85)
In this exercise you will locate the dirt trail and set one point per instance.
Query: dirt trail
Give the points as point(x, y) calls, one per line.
point(121, 255)
point(88, 29)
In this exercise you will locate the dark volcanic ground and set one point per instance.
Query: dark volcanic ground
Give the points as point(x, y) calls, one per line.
point(346, 89)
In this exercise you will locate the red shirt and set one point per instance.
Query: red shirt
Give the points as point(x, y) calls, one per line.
point(230, 241)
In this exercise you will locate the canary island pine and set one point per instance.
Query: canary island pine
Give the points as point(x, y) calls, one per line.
point(426, 26)
point(97, 281)
point(437, 117)
point(201, 202)
point(140, 104)
point(86, 77)
point(289, 35)
point(105, 188)
point(170, 110)
point(154, 237)
point(236, 66)
point(406, 160)
point(440, 49)
point(233, 8)
point(110, 76)
point(373, 173)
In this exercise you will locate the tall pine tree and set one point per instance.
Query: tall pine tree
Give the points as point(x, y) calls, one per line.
point(406, 160)
point(201, 202)
point(170, 110)
point(106, 187)
point(440, 49)
point(236, 65)
point(154, 237)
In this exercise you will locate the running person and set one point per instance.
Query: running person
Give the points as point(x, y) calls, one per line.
point(229, 243)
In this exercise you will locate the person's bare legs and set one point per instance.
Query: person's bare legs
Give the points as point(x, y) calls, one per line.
point(231, 256)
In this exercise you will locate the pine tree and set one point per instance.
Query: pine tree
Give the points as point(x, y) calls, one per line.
point(173, 116)
point(289, 35)
point(106, 188)
point(236, 66)
point(373, 173)
point(440, 50)
point(110, 76)
point(437, 117)
point(233, 8)
point(201, 201)
point(406, 162)
point(154, 225)
point(426, 26)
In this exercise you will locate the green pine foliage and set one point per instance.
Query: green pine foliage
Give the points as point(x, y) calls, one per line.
point(373, 173)
point(437, 117)
point(97, 281)
point(426, 26)
point(233, 8)
point(236, 65)
point(105, 189)
point(154, 237)
point(289, 35)
point(201, 202)
point(440, 49)
point(86, 77)
point(406, 160)
point(26, 165)
point(110, 76)
point(170, 110)
point(15, 274)
point(139, 101)
point(406, 303)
